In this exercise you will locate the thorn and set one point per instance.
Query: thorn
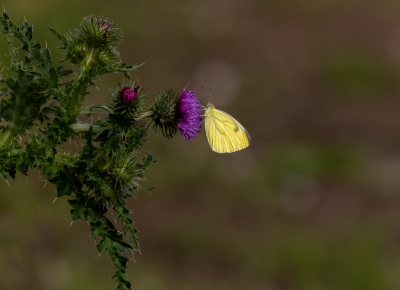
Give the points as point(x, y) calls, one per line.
point(54, 200)
point(7, 182)
point(40, 177)
point(44, 184)
point(71, 223)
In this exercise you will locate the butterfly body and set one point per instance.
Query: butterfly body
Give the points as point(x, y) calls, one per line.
point(224, 133)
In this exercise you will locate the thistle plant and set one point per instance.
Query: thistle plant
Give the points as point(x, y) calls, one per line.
point(42, 106)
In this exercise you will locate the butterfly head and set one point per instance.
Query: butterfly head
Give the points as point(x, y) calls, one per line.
point(209, 105)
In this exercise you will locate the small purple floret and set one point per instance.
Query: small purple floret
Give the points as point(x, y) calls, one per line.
point(106, 26)
point(128, 94)
point(189, 120)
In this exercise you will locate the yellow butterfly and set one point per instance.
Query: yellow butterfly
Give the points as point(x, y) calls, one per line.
point(224, 133)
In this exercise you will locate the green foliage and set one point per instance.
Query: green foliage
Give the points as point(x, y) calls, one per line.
point(44, 104)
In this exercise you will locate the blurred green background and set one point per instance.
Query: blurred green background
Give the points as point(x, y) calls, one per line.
point(313, 203)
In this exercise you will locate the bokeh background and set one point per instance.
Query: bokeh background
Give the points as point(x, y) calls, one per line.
point(313, 203)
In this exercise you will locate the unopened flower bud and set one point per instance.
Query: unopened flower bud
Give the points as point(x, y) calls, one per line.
point(128, 94)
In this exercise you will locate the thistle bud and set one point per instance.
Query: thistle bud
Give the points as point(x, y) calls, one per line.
point(118, 178)
point(127, 101)
point(94, 43)
point(100, 32)
point(164, 113)
point(127, 94)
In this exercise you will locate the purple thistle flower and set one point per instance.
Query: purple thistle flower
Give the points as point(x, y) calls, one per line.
point(188, 112)
point(128, 94)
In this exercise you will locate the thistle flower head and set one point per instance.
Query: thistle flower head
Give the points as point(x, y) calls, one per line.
point(127, 101)
point(114, 178)
point(95, 42)
point(172, 112)
point(100, 32)
point(188, 115)
point(128, 94)
point(164, 113)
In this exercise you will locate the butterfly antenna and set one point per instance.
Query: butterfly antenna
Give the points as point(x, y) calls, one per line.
point(202, 99)
point(209, 96)
point(205, 92)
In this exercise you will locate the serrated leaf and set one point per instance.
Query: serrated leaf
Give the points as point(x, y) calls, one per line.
point(58, 35)
point(66, 184)
point(53, 77)
point(78, 214)
point(35, 51)
point(122, 261)
point(64, 189)
point(104, 245)
point(147, 160)
point(28, 31)
point(45, 55)
point(95, 229)
point(79, 210)
point(124, 286)
point(119, 278)
point(12, 172)
point(122, 246)
point(63, 73)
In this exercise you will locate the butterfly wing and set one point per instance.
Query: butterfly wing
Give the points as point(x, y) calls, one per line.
point(224, 133)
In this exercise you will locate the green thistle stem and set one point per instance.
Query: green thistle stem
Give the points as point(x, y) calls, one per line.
point(89, 59)
point(87, 65)
point(145, 115)
point(83, 127)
